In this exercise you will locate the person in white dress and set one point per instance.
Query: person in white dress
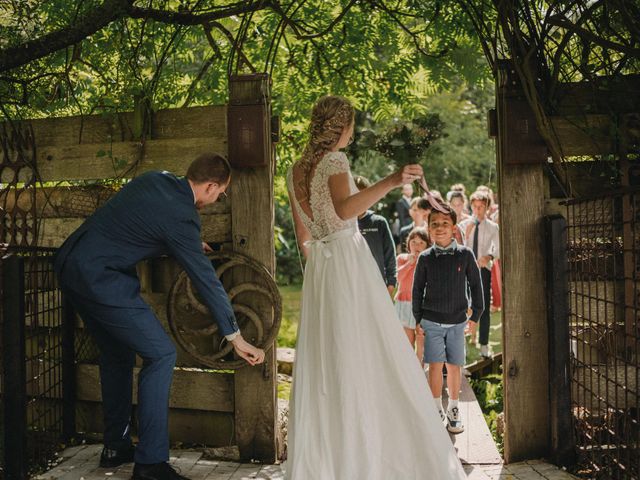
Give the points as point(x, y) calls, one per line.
point(360, 406)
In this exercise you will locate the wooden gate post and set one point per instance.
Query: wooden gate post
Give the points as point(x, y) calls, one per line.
point(252, 227)
point(562, 439)
point(521, 156)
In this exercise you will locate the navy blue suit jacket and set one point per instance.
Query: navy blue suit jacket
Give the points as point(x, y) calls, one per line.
point(153, 215)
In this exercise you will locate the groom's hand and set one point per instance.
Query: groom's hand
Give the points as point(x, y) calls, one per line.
point(251, 354)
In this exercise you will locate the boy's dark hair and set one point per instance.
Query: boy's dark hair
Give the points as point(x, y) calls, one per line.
point(446, 210)
point(361, 182)
point(209, 167)
point(423, 203)
point(418, 232)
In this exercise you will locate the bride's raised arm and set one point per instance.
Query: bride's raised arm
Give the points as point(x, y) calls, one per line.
point(348, 205)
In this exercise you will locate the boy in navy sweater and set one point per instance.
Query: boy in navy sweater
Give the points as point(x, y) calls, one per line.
point(445, 275)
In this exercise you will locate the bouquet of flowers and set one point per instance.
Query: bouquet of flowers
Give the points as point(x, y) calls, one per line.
point(404, 143)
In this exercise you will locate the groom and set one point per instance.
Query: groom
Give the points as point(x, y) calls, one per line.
point(154, 214)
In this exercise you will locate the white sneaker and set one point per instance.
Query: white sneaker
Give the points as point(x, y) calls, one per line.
point(443, 417)
point(454, 422)
point(484, 351)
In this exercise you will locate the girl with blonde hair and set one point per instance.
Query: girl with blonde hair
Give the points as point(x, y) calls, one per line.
point(360, 406)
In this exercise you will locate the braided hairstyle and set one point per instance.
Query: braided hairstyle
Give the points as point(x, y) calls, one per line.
point(331, 115)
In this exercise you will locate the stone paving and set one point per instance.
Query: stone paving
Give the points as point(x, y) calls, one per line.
point(81, 463)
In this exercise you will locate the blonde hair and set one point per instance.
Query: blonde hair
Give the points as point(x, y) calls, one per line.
point(331, 115)
point(482, 196)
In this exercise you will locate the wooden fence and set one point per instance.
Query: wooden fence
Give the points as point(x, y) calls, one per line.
point(81, 161)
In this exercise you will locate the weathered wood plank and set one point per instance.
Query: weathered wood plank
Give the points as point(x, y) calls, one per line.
point(168, 123)
point(475, 445)
point(191, 389)
point(255, 387)
point(60, 202)
point(91, 161)
point(560, 414)
point(256, 403)
point(53, 231)
point(524, 313)
point(590, 134)
point(214, 429)
point(600, 95)
point(525, 337)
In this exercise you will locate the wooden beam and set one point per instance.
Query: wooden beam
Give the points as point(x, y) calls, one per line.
point(560, 412)
point(601, 95)
point(178, 123)
point(79, 201)
point(95, 161)
point(53, 231)
point(592, 134)
point(190, 389)
point(252, 217)
point(590, 118)
point(214, 429)
point(525, 338)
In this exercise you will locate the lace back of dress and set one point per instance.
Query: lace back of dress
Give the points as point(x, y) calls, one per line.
point(323, 219)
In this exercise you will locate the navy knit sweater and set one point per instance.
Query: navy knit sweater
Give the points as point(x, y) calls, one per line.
point(440, 292)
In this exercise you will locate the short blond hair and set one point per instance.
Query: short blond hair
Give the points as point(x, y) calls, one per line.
point(482, 196)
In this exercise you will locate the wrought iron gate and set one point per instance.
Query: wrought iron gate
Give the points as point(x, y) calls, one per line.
point(37, 374)
point(603, 250)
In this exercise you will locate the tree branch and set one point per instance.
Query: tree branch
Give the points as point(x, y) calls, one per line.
point(186, 18)
point(594, 38)
point(101, 16)
point(95, 20)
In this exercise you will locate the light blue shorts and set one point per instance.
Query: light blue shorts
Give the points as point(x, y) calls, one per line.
point(404, 310)
point(444, 343)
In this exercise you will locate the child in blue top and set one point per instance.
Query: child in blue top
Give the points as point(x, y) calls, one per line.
point(445, 275)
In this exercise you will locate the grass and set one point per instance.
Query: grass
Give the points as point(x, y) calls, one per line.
point(291, 315)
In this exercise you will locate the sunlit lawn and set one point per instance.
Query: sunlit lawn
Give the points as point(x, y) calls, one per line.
point(291, 315)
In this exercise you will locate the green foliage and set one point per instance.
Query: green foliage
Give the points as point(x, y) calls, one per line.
point(382, 57)
point(284, 390)
point(464, 153)
point(389, 58)
point(290, 315)
point(454, 148)
point(489, 392)
point(288, 258)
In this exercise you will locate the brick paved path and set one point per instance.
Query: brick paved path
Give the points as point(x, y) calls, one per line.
point(81, 463)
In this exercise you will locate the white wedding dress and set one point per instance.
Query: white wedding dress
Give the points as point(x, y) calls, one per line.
point(360, 406)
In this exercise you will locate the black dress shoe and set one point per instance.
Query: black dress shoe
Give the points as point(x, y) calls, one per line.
point(111, 457)
point(156, 471)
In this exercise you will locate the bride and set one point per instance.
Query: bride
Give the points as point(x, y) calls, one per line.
point(360, 405)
